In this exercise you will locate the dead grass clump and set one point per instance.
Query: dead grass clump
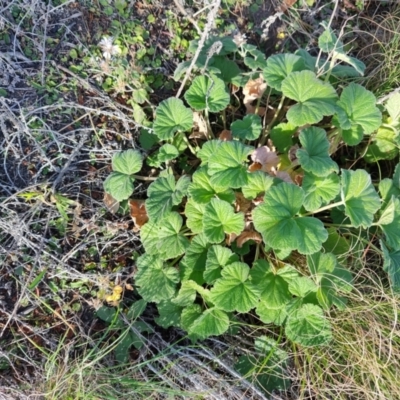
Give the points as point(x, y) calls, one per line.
point(363, 361)
point(380, 50)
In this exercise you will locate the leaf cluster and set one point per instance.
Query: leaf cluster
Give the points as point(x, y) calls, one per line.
point(253, 228)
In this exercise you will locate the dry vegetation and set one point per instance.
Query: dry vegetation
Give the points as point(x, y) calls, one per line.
point(62, 252)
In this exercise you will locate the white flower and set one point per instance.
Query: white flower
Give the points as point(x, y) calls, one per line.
point(106, 44)
point(239, 39)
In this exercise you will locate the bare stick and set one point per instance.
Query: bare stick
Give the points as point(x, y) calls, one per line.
point(211, 18)
point(186, 14)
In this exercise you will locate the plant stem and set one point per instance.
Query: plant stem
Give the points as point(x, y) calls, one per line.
point(257, 252)
point(191, 148)
point(209, 130)
point(339, 225)
point(328, 207)
point(258, 105)
point(144, 178)
point(212, 15)
point(224, 117)
point(378, 250)
point(269, 126)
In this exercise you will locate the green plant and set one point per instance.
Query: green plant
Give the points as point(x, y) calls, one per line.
point(267, 367)
point(127, 336)
point(273, 234)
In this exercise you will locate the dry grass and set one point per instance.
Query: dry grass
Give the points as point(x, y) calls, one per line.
point(363, 360)
point(379, 39)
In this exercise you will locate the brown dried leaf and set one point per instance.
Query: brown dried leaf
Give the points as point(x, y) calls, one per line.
point(242, 204)
point(284, 176)
point(230, 237)
point(246, 236)
point(250, 109)
point(254, 167)
point(292, 153)
point(200, 127)
point(225, 135)
point(138, 213)
point(258, 200)
point(111, 204)
point(114, 227)
point(348, 4)
point(268, 159)
point(298, 179)
point(286, 5)
point(254, 89)
point(234, 88)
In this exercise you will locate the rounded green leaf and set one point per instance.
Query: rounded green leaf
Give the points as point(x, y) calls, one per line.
point(212, 322)
point(261, 268)
point(219, 218)
point(186, 295)
point(229, 69)
point(163, 194)
point(249, 128)
point(358, 107)
point(172, 116)
point(384, 146)
point(302, 286)
point(274, 287)
point(226, 166)
point(328, 41)
point(319, 190)
point(226, 44)
point(171, 242)
point(127, 162)
point(315, 98)
point(337, 245)
point(154, 280)
point(207, 92)
point(194, 213)
point(233, 291)
point(360, 198)
point(276, 220)
point(282, 136)
point(202, 190)
point(339, 280)
point(393, 108)
point(217, 258)
point(391, 264)
point(189, 315)
point(255, 59)
point(170, 314)
point(208, 149)
point(392, 230)
point(391, 186)
point(258, 182)
point(162, 237)
point(119, 185)
point(167, 152)
point(146, 139)
point(149, 238)
point(280, 66)
point(270, 315)
point(194, 262)
point(321, 263)
point(274, 290)
point(288, 273)
point(308, 326)
point(314, 155)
